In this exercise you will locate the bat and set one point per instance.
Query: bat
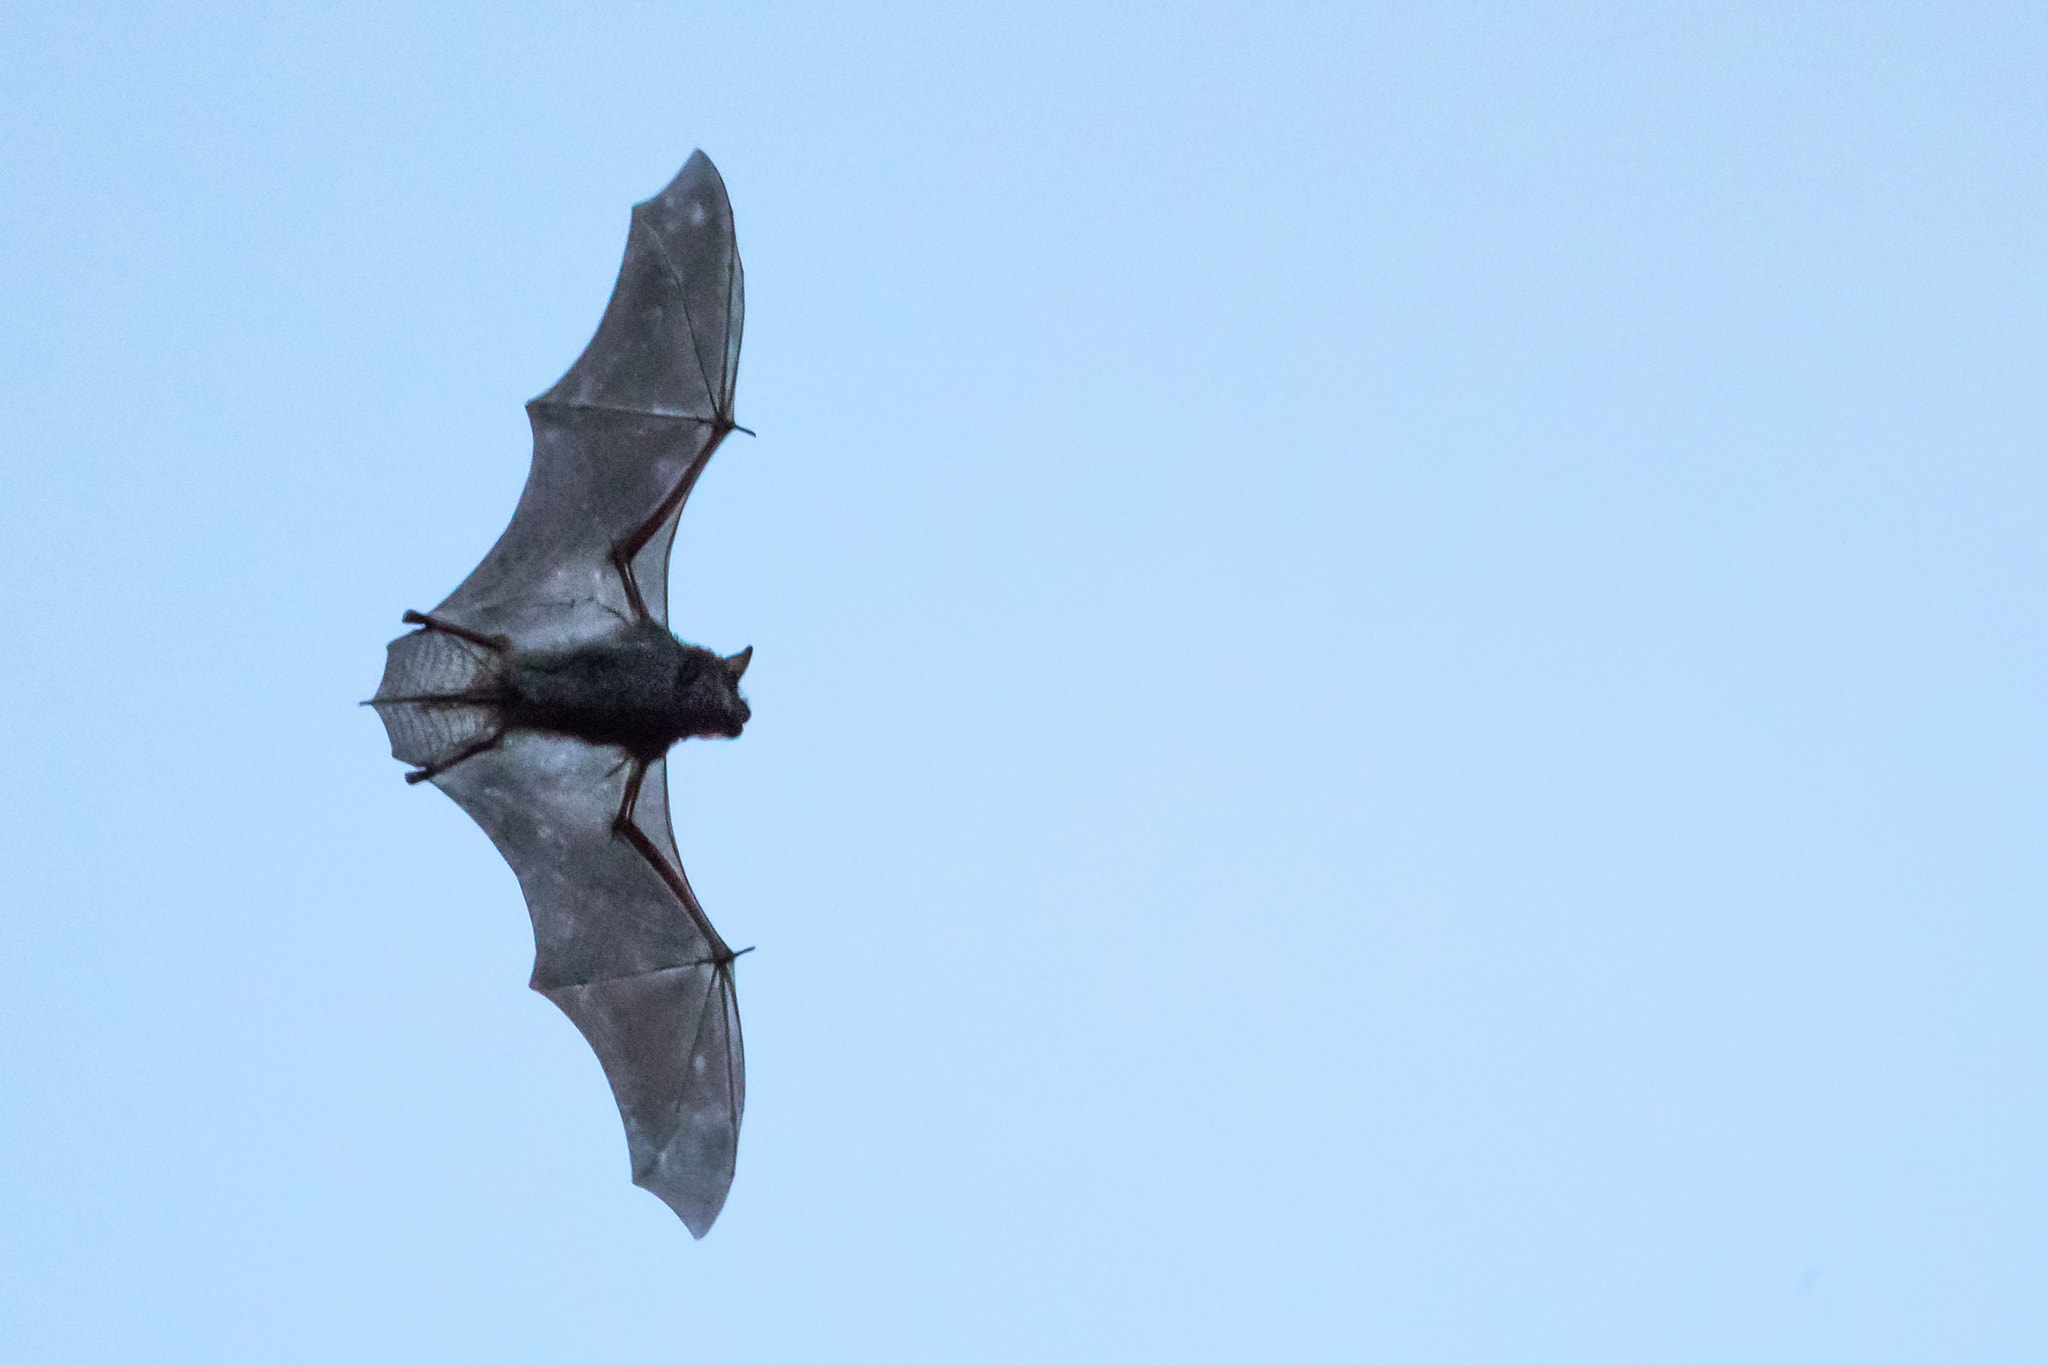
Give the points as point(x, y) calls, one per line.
point(545, 693)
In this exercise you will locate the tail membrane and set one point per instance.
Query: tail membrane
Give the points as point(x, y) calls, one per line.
point(440, 695)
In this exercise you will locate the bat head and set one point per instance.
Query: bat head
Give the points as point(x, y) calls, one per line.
point(708, 693)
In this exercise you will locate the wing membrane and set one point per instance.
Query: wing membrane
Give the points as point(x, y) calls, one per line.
point(624, 431)
point(621, 954)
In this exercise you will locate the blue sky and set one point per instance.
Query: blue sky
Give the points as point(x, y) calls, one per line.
point(1398, 698)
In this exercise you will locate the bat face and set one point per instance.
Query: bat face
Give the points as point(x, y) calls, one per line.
point(544, 693)
point(708, 696)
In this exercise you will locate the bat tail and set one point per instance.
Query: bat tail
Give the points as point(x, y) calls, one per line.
point(439, 698)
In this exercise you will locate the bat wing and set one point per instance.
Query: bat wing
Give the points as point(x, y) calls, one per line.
point(627, 957)
point(623, 436)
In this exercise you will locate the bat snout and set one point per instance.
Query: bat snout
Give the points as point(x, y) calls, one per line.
point(724, 720)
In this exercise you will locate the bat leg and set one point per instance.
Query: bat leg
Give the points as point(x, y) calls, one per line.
point(482, 746)
point(624, 827)
point(498, 643)
point(624, 819)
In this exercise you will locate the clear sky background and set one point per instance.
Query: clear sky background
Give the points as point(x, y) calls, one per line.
point(1399, 698)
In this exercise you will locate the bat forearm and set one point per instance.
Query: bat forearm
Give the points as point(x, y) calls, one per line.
point(625, 827)
point(629, 548)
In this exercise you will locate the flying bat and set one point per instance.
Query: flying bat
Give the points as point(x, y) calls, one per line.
point(544, 694)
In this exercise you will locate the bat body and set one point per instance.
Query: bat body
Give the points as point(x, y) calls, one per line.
point(544, 694)
point(640, 690)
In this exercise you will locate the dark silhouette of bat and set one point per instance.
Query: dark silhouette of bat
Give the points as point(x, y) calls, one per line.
point(544, 694)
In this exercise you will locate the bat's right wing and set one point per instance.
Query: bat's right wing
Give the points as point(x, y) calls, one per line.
point(618, 443)
point(625, 952)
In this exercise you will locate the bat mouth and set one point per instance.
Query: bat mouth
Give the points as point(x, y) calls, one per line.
point(728, 728)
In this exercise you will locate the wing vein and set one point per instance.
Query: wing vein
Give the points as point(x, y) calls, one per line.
point(716, 395)
point(729, 1010)
point(629, 412)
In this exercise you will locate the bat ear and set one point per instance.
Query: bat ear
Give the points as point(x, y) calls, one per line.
point(736, 664)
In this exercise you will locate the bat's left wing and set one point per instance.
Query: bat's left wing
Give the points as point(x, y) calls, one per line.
point(625, 952)
point(619, 442)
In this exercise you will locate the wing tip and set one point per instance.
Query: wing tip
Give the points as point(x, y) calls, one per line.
point(691, 1201)
point(697, 174)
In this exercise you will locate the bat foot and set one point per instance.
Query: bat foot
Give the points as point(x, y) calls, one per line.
point(498, 643)
point(433, 770)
